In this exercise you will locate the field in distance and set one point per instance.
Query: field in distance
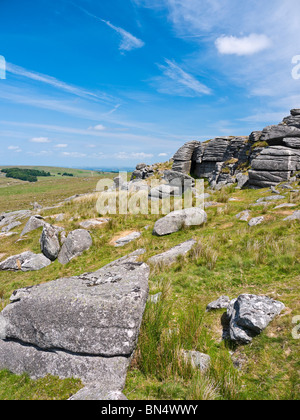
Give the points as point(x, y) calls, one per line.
point(19, 195)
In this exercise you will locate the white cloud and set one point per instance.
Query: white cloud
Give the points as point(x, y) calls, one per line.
point(74, 154)
point(140, 155)
point(98, 127)
point(15, 149)
point(40, 140)
point(128, 41)
point(163, 155)
point(247, 45)
point(61, 146)
point(176, 81)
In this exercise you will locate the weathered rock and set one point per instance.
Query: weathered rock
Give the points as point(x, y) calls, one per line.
point(10, 227)
point(98, 393)
point(222, 303)
point(242, 179)
point(183, 157)
point(256, 221)
point(20, 358)
point(93, 314)
point(163, 191)
point(35, 222)
point(198, 360)
point(76, 243)
point(294, 216)
point(244, 216)
point(175, 220)
point(169, 257)
point(94, 223)
point(249, 315)
point(49, 242)
point(271, 198)
point(127, 239)
point(27, 261)
point(178, 180)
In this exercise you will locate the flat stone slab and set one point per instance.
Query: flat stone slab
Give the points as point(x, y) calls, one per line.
point(169, 257)
point(95, 314)
point(18, 358)
point(127, 239)
point(27, 261)
point(222, 303)
point(175, 221)
point(256, 221)
point(294, 216)
point(93, 223)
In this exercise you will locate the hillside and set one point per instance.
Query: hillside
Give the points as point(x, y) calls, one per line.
point(230, 258)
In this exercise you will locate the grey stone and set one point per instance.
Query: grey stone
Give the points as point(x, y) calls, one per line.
point(97, 392)
point(93, 314)
point(249, 315)
point(222, 303)
point(271, 198)
point(274, 133)
point(256, 221)
point(10, 227)
point(244, 216)
point(285, 205)
point(175, 220)
point(198, 360)
point(169, 257)
point(27, 261)
point(242, 180)
point(163, 191)
point(93, 223)
point(295, 112)
point(127, 239)
point(35, 222)
point(20, 358)
point(294, 216)
point(49, 242)
point(76, 243)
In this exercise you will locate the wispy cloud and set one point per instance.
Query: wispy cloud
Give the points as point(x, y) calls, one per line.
point(40, 140)
point(58, 84)
point(176, 81)
point(129, 42)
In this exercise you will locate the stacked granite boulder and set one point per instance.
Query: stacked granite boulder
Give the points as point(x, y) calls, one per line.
point(265, 158)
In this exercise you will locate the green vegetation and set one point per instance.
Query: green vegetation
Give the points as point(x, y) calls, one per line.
point(29, 175)
point(67, 174)
point(230, 258)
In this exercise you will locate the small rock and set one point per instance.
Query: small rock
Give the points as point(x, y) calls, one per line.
point(244, 216)
point(256, 221)
point(171, 256)
point(76, 243)
point(175, 221)
point(27, 261)
point(127, 239)
point(222, 303)
point(294, 216)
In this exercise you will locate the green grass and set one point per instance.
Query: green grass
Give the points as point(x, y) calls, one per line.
point(230, 258)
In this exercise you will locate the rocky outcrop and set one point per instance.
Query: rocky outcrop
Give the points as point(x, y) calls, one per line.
point(263, 159)
point(84, 327)
point(49, 241)
point(35, 222)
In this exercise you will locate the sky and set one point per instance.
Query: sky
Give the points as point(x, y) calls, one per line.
point(112, 83)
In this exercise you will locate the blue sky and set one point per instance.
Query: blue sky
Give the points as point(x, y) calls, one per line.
point(112, 83)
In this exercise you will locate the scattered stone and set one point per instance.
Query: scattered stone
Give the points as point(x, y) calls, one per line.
point(94, 223)
point(242, 180)
point(209, 204)
point(10, 227)
point(244, 216)
point(222, 303)
point(249, 315)
point(127, 239)
point(256, 221)
point(175, 221)
point(27, 261)
point(170, 257)
point(60, 217)
point(282, 206)
point(198, 360)
point(37, 206)
point(35, 222)
point(271, 198)
point(294, 216)
point(97, 393)
point(163, 191)
point(76, 243)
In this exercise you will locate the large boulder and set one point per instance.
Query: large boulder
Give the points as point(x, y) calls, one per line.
point(27, 261)
point(176, 220)
point(85, 327)
point(50, 245)
point(76, 243)
point(249, 315)
point(183, 157)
